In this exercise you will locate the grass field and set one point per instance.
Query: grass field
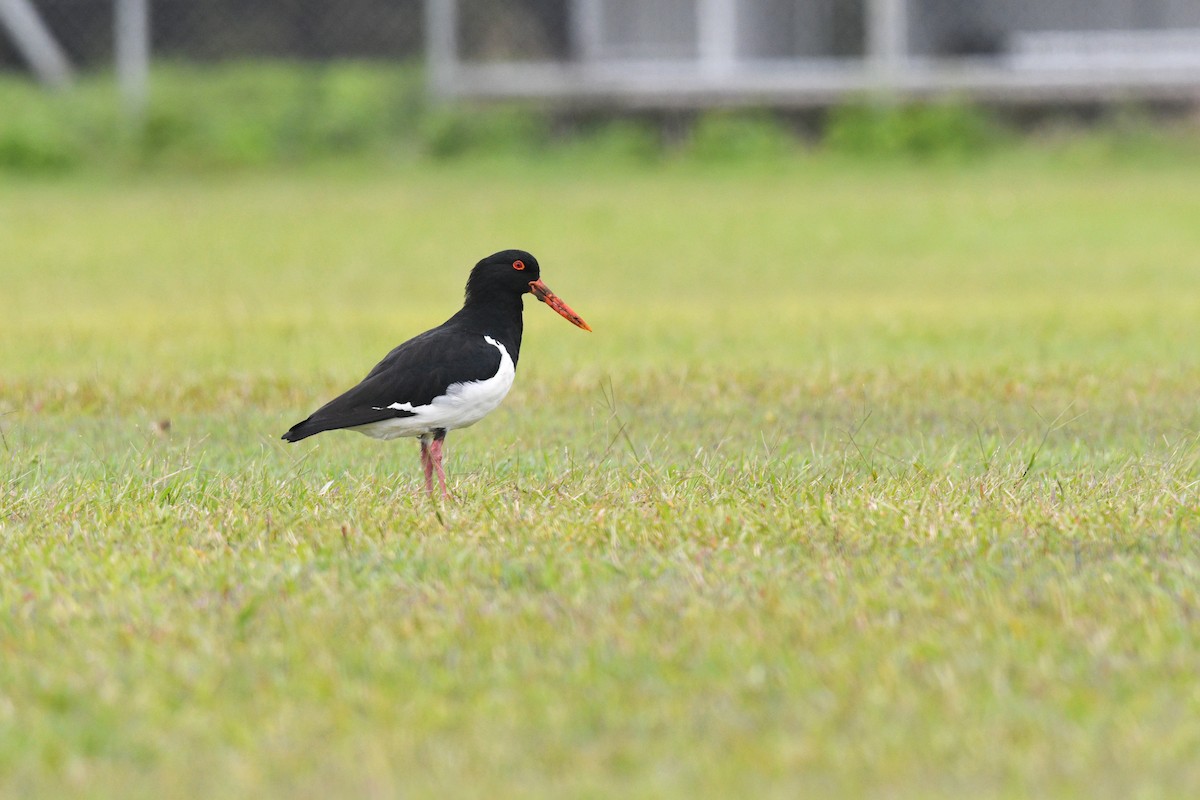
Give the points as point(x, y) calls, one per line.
point(872, 480)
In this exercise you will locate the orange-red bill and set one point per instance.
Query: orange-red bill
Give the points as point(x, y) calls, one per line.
point(542, 292)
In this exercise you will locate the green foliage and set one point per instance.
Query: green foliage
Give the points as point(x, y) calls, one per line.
point(227, 115)
point(617, 141)
point(1125, 134)
point(33, 146)
point(258, 114)
point(726, 136)
point(271, 113)
point(33, 139)
point(923, 131)
point(451, 132)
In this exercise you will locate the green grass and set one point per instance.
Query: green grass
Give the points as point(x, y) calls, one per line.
point(871, 481)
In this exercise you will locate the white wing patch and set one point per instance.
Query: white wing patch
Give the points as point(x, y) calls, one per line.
point(462, 405)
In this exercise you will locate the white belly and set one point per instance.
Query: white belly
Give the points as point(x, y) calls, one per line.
point(462, 405)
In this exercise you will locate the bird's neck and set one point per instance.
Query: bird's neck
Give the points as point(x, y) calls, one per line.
point(501, 320)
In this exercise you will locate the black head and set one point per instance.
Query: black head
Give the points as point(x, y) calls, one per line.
point(510, 274)
point(507, 273)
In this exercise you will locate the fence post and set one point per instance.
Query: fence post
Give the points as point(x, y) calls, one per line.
point(441, 44)
point(131, 45)
point(887, 41)
point(33, 39)
point(587, 29)
point(717, 24)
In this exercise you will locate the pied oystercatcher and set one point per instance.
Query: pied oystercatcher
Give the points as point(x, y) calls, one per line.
point(451, 376)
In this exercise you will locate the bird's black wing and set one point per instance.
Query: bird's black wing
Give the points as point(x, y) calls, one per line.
point(414, 373)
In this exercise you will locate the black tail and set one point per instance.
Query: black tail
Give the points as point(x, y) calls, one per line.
point(302, 430)
point(323, 420)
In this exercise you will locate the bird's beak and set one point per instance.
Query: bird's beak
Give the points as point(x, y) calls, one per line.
point(542, 292)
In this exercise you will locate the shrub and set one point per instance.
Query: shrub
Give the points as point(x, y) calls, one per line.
point(34, 135)
point(729, 136)
point(625, 141)
point(938, 130)
point(452, 131)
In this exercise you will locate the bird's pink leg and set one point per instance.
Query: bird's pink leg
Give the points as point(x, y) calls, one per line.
point(435, 450)
point(427, 463)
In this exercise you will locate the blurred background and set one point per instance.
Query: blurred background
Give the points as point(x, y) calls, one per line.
point(788, 51)
point(843, 147)
point(306, 77)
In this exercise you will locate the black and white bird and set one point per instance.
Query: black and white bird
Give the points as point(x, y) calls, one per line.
point(451, 376)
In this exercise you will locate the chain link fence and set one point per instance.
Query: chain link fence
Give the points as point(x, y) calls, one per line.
point(218, 30)
point(667, 51)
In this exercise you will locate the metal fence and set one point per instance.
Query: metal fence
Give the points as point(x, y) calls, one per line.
point(84, 32)
point(804, 52)
point(651, 52)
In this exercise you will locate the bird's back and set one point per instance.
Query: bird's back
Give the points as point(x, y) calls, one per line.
point(417, 381)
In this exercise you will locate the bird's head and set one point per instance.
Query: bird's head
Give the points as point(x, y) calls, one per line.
point(515, 272)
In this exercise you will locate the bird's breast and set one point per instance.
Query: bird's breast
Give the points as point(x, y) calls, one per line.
point(471, 401)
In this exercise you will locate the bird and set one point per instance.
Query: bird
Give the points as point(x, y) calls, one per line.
point(448, 377)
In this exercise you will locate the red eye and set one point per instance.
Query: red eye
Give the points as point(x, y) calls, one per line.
point(518, 265)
